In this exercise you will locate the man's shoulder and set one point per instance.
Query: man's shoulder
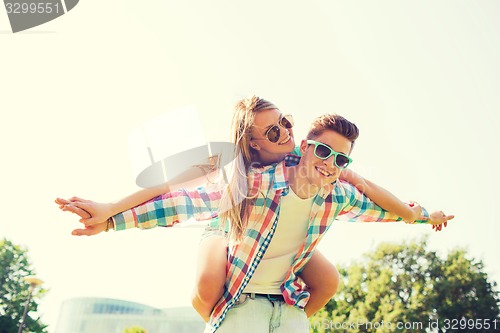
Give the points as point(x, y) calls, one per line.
point(345, 186)
point(342, 191)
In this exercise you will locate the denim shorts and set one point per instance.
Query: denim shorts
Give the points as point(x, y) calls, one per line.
point(261, 315)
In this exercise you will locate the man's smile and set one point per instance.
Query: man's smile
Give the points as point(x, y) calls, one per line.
point(323, 172)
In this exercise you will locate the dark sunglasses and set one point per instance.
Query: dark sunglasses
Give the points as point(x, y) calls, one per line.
point(323, 152)
point(273, 133)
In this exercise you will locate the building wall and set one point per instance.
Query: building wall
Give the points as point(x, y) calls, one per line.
point(104, 315)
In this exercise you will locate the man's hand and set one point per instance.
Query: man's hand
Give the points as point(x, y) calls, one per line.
point(90, 230)
point(439, 220)
point(91, 212)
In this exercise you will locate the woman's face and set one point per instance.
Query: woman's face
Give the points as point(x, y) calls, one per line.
point(270, 121)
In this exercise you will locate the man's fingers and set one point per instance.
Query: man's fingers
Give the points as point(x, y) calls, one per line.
point(89, 230)
point(89, 221)
point(83, 232)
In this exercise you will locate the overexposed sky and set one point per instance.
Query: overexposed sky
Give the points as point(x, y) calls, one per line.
point(420, 79)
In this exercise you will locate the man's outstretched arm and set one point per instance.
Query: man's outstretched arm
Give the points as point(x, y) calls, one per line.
point(381, 196)
point(358, 207)
point(163, 210)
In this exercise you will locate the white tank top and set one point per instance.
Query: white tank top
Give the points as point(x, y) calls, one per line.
point(289, 236)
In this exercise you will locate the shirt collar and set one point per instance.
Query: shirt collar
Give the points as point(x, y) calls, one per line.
point(277, 172)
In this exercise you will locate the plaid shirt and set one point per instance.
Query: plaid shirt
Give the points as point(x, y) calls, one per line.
point(343, 202)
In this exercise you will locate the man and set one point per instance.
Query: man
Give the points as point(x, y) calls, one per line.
point(262, 288)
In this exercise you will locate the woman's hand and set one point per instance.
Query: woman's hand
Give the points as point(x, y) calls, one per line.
point(91, 212)
point(439, 220)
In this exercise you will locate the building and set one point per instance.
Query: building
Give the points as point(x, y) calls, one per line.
point(104, 315)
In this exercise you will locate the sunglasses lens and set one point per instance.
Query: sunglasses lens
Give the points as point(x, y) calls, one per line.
point(273, 134)
point(287, 121)
point(342, 161)
point(322, 151)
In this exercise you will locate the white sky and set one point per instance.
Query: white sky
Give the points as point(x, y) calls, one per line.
point(420, 79)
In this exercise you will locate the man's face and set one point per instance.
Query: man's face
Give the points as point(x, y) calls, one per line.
point(321, 172)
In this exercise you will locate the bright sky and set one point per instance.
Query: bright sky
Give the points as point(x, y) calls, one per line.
point(420, 79)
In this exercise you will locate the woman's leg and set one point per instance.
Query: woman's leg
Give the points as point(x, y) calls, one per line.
point(322, 280)
point(210, 274)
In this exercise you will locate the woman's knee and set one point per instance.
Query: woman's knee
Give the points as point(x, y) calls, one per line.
point(321, 276)
point(329, 282)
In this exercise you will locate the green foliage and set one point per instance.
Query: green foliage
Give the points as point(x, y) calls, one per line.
point(14, 293)
point(134, 329)
point(8, 325)
point(408, 288)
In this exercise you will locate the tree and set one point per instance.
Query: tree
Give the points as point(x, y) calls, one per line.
point(135, 329)
point(8, 325)
point(465, 292)
point(408, 288)
point(14, 267)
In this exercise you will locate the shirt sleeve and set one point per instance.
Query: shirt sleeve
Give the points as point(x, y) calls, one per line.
point(359, 208)
point(169, 209)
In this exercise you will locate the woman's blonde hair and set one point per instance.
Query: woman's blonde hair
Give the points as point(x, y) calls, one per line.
point(237, 198)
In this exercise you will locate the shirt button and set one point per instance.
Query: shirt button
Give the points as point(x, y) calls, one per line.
point(259, 254)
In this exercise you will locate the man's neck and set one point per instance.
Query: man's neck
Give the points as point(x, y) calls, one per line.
point(300, 184)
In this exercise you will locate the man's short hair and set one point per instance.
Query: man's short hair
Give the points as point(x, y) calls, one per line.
point(336, 123)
